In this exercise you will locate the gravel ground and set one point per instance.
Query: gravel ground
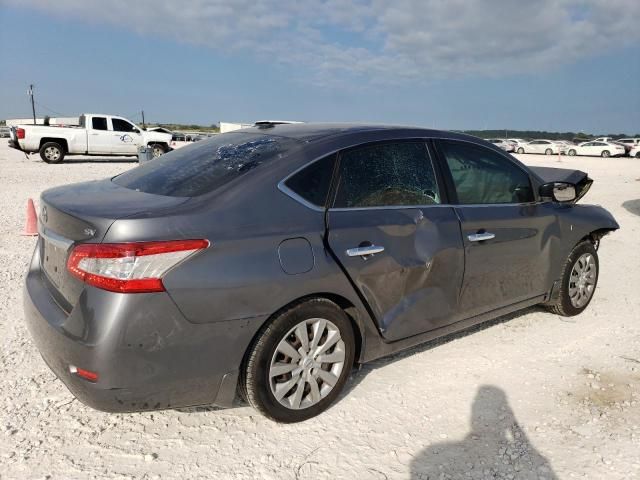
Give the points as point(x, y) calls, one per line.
point(532, 395)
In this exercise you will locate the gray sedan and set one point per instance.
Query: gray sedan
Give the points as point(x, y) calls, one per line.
point(266, 262)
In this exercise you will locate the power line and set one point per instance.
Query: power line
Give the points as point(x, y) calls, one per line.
point(49, 109)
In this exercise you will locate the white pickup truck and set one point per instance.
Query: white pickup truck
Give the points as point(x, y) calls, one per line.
point(95, 135)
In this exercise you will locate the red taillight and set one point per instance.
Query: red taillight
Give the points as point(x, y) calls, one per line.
point(20, 133)
point(129, 267)
point(82, 373)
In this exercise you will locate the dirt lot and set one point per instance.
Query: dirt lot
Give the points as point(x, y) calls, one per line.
point(529, 396)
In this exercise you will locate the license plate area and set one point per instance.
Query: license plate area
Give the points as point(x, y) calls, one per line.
point(53, 259)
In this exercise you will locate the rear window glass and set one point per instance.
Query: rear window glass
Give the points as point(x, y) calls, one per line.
point(99, 123)
point(206, 165)
point(312, 183)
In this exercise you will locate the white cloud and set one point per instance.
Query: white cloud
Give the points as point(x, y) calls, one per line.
point(377, 40)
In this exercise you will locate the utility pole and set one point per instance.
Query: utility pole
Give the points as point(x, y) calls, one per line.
point(33, 106)
point(143, 125)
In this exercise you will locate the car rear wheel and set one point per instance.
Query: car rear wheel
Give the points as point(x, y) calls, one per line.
point(52, 152)
point(572, 153)
point(548, 151)
point(637, 154)
point(299, 362)
point(521, 150)
point(579, 280)
point(605, 154)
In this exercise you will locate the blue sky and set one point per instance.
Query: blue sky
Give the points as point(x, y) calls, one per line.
point(548, 65)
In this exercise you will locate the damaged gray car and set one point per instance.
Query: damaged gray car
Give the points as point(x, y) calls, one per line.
point(266, 262)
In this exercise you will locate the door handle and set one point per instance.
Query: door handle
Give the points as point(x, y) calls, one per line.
point(479, 237)
point(364, 251)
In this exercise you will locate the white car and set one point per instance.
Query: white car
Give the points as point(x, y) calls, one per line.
point(635, 152)
point(517, 141)
point(547, 147)
point(95, 135)
point(503, 144)
point(598, 149)
point(630, 142)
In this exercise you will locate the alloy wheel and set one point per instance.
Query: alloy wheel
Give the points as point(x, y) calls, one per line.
point(582, 281)
point(307, 363)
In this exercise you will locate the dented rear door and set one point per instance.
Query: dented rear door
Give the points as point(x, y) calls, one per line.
point(395, 240)
point(412, 285)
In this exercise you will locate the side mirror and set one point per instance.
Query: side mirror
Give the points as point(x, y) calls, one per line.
point(561, 192)
point(135, 130)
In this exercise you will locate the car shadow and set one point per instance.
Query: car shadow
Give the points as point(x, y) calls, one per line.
point(496, 447)
point(74, 160)
point(362, 370)
point(632, 206)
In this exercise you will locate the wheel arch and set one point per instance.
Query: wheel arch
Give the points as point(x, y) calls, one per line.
point(61, 141)
point(346, 305)
point(155, 142)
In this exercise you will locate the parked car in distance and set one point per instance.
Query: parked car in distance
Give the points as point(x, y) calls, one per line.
point(503, 144)
point(517, 142)
point(96, 134)
point(4, 132)
point(597, 149)
point(546, 147)
point(269, 260)
point(630, 142)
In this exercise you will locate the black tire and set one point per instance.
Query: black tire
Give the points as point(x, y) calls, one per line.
point(637, 154)
point(605, 154)
point(158, 149)
point(563, 304)
point(254, 383)
point(520, 150)
point(52, 152)
point(572, 153)
point(548, 151)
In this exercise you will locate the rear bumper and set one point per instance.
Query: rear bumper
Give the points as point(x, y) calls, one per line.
point(147, 355)
point(14, 144)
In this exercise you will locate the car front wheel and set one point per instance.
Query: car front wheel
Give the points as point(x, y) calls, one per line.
point(548, 151)
point(158, 150)
point(299, 362)
point(521, 150)
point(579, 280)
point(605, 154)
point(572, 153)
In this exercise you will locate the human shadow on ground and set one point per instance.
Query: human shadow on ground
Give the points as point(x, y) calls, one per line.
point(496, 447)
point(632, 206)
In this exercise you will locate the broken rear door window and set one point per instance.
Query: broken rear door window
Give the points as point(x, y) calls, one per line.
point(390, 174)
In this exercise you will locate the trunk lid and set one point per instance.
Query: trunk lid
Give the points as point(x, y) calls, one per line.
point(83, 213)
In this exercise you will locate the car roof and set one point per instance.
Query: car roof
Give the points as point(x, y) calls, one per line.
point(315, 131)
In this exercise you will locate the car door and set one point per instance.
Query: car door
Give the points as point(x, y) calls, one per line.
point(507, 235)
point(394, 237)
point(126, 137)
point(99, 137)
point(595, 149)
point(534, 147)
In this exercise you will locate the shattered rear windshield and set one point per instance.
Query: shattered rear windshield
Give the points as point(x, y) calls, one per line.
point(206, 165)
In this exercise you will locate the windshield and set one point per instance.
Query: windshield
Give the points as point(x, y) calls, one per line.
point(206, 165)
